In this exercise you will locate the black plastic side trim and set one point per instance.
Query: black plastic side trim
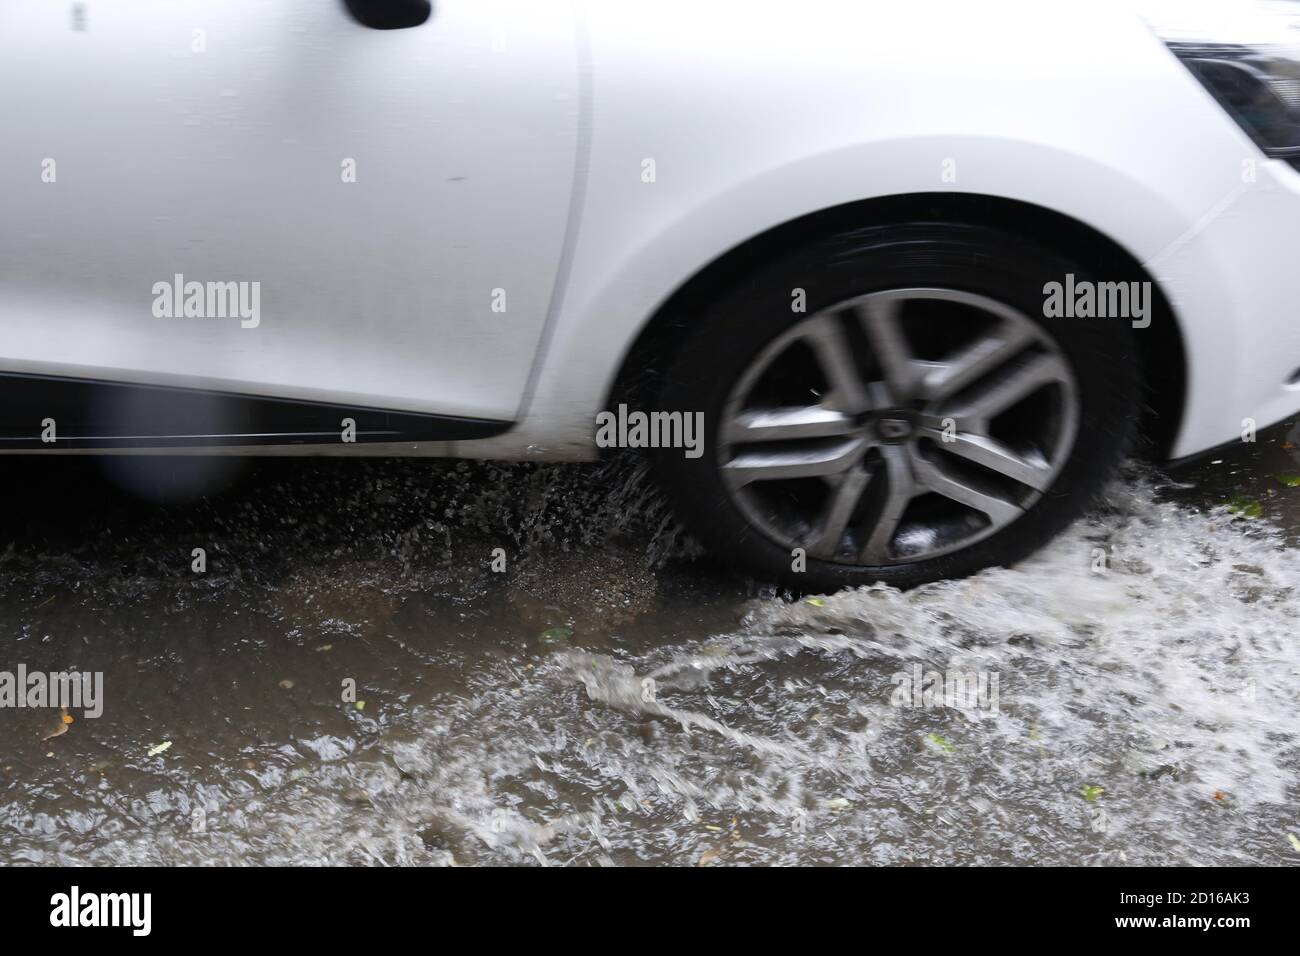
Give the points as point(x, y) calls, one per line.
point(95, 414)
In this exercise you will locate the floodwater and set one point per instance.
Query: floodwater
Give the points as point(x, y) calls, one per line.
point(607, 699)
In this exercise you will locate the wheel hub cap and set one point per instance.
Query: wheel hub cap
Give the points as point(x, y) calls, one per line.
point(898, 426)
point(895, 426)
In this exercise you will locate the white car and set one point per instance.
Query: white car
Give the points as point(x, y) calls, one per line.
point(897, 284)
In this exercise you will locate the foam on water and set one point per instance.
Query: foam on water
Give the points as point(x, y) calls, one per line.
point(1169, 681)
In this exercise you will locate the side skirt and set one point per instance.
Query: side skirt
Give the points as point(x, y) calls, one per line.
point(85, 413)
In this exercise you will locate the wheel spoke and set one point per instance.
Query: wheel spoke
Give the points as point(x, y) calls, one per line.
point(825, 541)
point(931, 476)
point(964, 368)
point(880, 322)
point(770, 464)
point(1004, 391)
point(787, 424)
point(901, 489)
point(834, 353)
point(994, 455)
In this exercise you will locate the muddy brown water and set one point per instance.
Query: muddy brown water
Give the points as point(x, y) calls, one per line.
point(609, 699)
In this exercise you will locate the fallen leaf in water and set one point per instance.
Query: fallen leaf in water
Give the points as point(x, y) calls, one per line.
point(62, 728)
point(1092, 792)
point(557, 635)
point(360, 705)
point(1244, 507)
point(941, 743)
point(155, 751)
point(1291, 481)
point(816, 602)
point(286, 684)
point(707, 857)
point(1294, 842)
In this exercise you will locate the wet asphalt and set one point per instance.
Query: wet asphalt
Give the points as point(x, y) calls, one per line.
point(443, 663)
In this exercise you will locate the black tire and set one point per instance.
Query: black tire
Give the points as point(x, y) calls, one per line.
point(725, 339)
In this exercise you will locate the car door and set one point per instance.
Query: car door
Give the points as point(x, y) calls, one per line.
point(367, 216)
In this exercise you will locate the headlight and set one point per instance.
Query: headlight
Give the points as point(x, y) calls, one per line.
point(1247, 54)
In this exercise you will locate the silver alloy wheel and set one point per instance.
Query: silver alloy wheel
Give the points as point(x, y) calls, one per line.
point(898, 426)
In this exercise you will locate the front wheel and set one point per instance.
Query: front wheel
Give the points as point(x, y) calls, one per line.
point(893, 405)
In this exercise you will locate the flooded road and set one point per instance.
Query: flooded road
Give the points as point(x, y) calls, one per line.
point(349, 681)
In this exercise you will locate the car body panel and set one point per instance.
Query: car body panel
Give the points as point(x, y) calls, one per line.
point(756, 114)
point(209, 139)
point(1026, 95)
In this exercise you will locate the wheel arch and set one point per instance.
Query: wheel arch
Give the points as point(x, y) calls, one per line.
point(1163, 357)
